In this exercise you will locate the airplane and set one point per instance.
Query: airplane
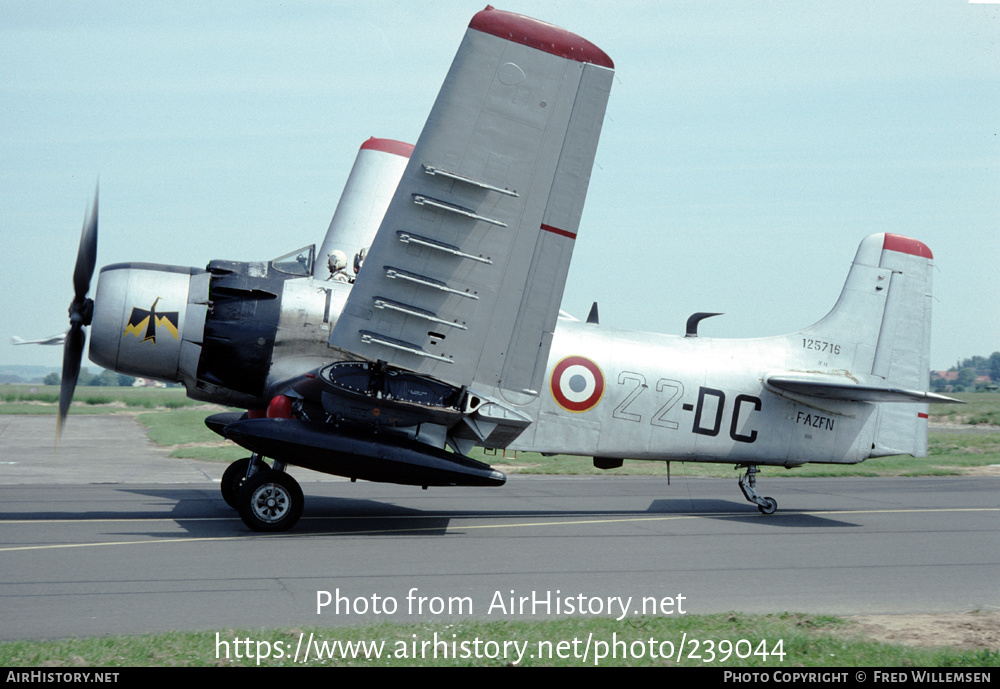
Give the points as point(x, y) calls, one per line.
point(50, 340)
point(449, 334)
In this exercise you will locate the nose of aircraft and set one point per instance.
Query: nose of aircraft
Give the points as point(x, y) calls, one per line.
point(148, 319)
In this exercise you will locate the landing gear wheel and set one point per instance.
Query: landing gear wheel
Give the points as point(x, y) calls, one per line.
point(748, 484)
point(270, 501)
point(234, 477)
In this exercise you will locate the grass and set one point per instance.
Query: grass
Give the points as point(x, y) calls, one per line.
point(178, 427)
point(43, 399)
point(804, 641)
point(980, 408)
point(184, 431)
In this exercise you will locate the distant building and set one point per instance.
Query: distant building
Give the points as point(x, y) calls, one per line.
point(148, 383)
point(950, 376)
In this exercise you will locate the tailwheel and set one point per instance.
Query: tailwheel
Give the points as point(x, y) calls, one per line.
point(270, 501)
point(748, 484)
point(235, 476)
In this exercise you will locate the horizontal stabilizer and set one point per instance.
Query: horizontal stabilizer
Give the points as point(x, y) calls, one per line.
point(839, 388)
point(363, 455)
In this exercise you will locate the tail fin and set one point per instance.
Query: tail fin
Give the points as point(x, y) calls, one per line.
point(880, 330)
point(884, 311)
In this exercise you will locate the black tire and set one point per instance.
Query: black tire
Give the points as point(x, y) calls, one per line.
point(232, 481)
point(772, 506)
point(270, 501)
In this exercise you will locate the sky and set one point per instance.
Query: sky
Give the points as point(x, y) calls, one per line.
point(747, 149)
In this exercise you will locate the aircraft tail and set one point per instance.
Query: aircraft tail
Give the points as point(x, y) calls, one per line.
point(875, 343)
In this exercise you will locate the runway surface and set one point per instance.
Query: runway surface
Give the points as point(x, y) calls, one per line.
point(110, 536)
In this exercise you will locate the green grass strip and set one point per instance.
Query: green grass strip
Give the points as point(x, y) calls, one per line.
point(783, 640)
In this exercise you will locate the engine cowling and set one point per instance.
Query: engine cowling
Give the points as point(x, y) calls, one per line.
point(149, 320)
point(213, 330)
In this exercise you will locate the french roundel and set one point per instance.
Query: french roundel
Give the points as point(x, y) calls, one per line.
point(577, 384)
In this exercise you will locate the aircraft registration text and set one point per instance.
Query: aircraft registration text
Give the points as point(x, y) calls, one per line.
point(815, 420)
point(820, 345)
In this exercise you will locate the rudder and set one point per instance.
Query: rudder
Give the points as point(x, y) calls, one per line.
point(902, 356)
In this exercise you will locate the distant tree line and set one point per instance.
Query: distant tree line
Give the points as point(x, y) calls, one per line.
point(969, 375)
point(104, 378)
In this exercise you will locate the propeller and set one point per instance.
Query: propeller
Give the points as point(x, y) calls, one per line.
point(81, 313)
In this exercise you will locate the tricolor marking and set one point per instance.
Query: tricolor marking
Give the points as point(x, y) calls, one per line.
point(577, 384)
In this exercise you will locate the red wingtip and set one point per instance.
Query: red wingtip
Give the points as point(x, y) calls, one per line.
point(905, 245)
point(399, 148)
point(539, 35)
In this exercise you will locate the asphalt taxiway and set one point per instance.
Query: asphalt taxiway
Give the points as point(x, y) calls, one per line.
point(108, 535)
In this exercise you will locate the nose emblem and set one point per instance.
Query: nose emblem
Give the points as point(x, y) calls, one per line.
point(146, 322)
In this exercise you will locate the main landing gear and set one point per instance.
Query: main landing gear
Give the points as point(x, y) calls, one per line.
point(267, 498)
point(748, 484)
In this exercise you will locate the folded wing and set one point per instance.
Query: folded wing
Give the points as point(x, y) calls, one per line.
point(464, 279)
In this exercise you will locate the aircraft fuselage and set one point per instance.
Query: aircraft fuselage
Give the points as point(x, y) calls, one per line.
point(618, 394)
point(607, 393)
point(652, 396)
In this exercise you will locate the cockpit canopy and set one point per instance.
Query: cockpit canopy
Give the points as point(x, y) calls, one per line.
point(298, 262)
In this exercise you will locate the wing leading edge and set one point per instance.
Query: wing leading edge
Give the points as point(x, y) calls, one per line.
point(464, 279)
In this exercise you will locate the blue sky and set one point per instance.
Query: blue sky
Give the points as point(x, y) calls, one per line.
point(748, 147)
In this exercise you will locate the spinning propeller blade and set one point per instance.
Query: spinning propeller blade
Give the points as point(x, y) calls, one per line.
point(81, 311)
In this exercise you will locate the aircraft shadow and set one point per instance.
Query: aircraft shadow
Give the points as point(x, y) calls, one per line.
point(202, 513)
point(744, 512)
